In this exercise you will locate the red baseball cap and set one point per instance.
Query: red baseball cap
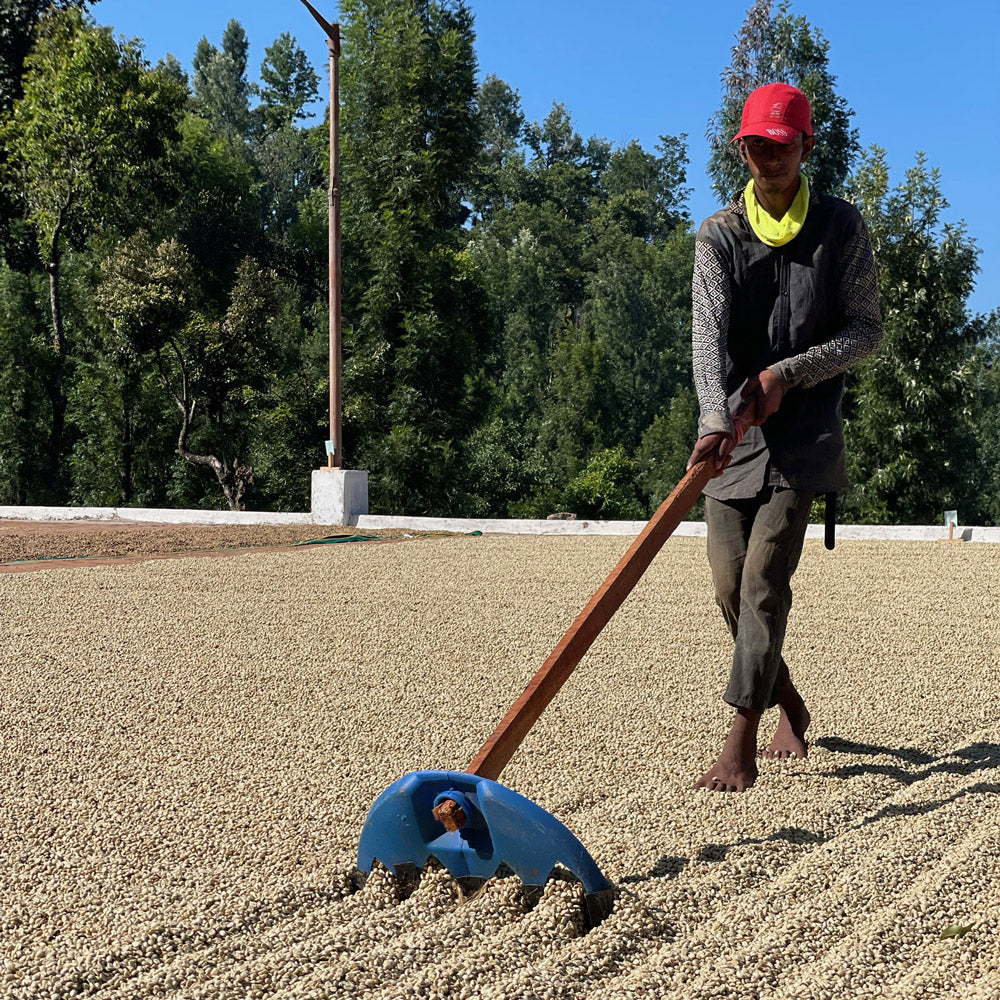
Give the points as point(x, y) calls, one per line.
point(776, 111)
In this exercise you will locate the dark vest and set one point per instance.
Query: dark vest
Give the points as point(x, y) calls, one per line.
point(785, 299)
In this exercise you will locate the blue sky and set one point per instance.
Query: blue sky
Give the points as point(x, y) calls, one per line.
point(919, 75)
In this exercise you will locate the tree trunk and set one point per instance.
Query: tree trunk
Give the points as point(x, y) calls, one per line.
point(54, 383)
point(130, 392)
point(233, 481)
point(128, 450)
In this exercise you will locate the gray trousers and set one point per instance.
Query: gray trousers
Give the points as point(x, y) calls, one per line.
point(753, 548)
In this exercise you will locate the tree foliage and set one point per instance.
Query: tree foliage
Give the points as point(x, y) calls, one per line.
point(80, 156)
point(209, 367)
point(221, 89)
point(288, 83)
point(904, 459)
point(17, 26)
point(18, 19)
point(516, 296)
point(410, 137)
point(781, 48)
point(24, 373)
point(985, 390)
point(583, 252)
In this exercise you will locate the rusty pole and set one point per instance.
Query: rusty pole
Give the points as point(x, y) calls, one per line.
point(337, 458)
point(335, 446)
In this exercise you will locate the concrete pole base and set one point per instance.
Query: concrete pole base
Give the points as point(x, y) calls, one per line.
point(339, 496)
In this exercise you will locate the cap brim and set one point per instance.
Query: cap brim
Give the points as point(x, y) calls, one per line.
point(769, 130)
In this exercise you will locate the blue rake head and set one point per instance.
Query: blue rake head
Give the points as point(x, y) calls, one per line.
point(501, 827)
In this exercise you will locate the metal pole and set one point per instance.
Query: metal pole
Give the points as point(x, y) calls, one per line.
point(335, 446)
point(336, 460)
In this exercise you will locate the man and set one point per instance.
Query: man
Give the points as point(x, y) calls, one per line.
point(784, 302)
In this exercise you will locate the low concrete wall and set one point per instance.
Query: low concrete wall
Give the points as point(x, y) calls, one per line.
point(515, 526)
point(510, 526)
point(151, 514)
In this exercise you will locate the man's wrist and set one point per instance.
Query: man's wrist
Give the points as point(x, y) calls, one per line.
point(784, 372)
point(715, 422)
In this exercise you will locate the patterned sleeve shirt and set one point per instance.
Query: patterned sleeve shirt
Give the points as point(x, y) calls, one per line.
point(711, 301)
point(725, 243)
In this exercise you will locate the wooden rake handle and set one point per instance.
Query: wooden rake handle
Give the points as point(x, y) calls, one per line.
point(544, 686)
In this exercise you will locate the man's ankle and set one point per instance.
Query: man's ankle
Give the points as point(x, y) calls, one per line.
point(743, 732)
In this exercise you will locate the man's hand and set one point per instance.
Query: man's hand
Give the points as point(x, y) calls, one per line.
point(721, 444)
point(762, 395)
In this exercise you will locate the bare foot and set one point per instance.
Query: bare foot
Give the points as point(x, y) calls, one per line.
point(790, 737)
point(736, 768)
point(728, 775)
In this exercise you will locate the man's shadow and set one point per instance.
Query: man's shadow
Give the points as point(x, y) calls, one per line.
point(979, 756)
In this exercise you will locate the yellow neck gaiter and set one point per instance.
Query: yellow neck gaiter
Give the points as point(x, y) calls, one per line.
point(775, 232)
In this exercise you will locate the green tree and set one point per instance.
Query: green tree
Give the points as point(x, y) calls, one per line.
point(584, 258)
point(662, 456)
point(18, 19)
point(209, 367)
point(782, 48)
point(121, 426)
point(171, 66)
point(565, 168)
point(605, 489)
point(530, 265)
point(25, 414)
point(290, 161)
point(221, 89)
point(289, 170)
point(532, 260)
point(410, 137)
point(81, 156)
point(278, 401)
point(639, 312)
point(985, 365)
point(646, 194)
point(569, 429)
point(638, 298)
point(910, 407)
point(218, 212)
point(498, 176)
point(289, 83)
